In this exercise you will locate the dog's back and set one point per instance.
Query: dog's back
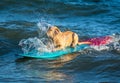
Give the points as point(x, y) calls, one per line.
point(70, 38)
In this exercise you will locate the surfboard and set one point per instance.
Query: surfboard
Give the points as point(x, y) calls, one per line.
point(55, 54)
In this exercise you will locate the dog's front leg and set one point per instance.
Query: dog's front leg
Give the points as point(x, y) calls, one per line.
point(59, 47)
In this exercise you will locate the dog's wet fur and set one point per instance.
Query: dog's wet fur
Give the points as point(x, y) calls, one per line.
point(61, 39)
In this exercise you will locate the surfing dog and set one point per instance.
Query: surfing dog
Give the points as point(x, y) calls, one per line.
point(61, 40)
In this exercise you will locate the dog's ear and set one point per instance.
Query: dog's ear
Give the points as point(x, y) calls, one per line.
point(57, 31)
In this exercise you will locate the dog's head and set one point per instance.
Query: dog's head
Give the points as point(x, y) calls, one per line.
point(53, 31)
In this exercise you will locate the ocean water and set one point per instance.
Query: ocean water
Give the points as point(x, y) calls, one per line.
point(88, 18)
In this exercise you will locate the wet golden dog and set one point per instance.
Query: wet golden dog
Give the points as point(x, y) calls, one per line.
point(65, 39)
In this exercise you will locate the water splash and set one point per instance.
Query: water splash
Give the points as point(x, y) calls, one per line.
point(116, 42)
point(38, 44)
point(42, 28)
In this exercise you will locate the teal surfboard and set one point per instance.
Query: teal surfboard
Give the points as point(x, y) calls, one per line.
point(55, 54)
point(50, 55)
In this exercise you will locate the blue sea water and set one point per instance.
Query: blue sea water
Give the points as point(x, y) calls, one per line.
point(88, 18)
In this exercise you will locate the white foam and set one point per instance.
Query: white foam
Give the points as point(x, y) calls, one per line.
point(40, 44)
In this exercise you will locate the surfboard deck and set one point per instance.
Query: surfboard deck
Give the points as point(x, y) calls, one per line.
point(53, 55)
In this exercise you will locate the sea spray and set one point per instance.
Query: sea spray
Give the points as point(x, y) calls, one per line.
point(42, 28)
point(116, 42)
point(40, 43)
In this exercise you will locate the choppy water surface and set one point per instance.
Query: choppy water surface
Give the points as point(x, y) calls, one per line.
point(88, 18)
